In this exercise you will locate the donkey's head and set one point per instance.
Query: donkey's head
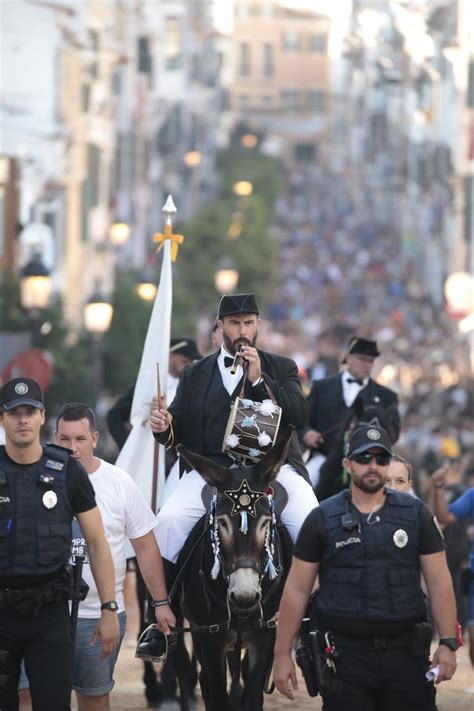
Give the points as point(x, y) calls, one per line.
point(242, 521)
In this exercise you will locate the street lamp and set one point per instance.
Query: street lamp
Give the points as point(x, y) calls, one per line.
point(97, 318)
point(35, 290)
point(459, 293)
point(249, 140)
point(97, 314)
point(226, 277)
point(192, 159)
point(119, 232)
point(145, 287)
point(243, 188)
point(35, 284)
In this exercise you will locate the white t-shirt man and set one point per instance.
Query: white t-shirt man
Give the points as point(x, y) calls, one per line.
point(125, 514)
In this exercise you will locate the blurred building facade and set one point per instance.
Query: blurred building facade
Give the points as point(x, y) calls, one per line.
point(404, 117)
point(106, 108)
point(281, 75)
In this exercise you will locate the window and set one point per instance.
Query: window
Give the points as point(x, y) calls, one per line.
point(291, 41)
point(244, 62)
point(290, 99)
point(172, 43)
point(144, 57)
point(243, 99)
point(242, 10)
point(268, 11)
point(268, 69)
point(316, 100)
point(317, 43)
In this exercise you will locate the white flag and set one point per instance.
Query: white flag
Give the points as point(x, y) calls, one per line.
point(138, 454)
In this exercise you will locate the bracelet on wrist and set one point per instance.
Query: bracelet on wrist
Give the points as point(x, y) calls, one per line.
point(160, 603)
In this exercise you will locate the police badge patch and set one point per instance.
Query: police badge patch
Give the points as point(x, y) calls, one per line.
point(373, 434)
point(400, 538)
point(21, 388)
point(50, 499)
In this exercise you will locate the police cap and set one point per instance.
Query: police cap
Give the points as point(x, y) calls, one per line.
point(21, 391)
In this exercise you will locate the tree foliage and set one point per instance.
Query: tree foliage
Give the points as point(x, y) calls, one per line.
point(123, 343)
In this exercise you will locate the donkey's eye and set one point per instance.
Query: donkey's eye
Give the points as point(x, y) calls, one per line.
point(263, 523)
point(223, 524)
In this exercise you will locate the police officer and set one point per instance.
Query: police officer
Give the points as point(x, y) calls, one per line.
point(369, 545)
point(41, 489)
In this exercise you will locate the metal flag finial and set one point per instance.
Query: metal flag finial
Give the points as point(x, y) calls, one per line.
point(169, 209)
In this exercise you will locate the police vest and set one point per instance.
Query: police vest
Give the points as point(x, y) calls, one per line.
point(372, 571)
point(35, 515)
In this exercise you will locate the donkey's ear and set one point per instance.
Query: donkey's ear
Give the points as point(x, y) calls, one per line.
point(273, 460)
point(358, 407)
point(213, 473)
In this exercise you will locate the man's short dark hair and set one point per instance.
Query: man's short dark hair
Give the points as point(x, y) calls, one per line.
point(74, 411)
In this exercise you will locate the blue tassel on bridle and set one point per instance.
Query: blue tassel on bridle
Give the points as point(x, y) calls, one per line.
point(244, 524)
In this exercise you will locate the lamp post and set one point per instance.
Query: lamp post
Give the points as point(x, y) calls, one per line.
point(226, 277)
point(98, 312)
point(35, 290)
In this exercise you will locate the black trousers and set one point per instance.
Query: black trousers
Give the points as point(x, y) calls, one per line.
point(44, 642)
point(387, 680)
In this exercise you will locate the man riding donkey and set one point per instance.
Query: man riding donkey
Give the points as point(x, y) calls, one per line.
point(199, 414)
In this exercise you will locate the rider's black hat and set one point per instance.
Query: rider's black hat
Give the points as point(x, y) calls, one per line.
point(231, 304)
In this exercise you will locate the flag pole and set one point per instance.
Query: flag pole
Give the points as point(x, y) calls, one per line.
point(139, 455)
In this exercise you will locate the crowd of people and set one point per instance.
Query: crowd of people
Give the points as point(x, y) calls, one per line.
point(344, 269)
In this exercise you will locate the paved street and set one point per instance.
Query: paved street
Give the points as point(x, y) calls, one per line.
point(129, 695)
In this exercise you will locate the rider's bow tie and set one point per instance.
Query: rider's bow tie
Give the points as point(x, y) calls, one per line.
point(228, 362)
point(355, 380)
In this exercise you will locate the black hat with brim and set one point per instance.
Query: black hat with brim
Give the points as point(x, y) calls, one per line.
point(21, 391)
point(231, 304)
point(362, 346)
point(185, 347)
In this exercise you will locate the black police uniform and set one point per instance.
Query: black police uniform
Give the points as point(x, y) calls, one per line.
point(370, 601)
point(37, 504)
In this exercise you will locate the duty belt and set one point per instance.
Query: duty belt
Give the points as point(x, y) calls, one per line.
point(30, 601)
point(379, 643)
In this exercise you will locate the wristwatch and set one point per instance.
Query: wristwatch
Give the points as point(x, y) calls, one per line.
point(450, 642)
point(111, 605)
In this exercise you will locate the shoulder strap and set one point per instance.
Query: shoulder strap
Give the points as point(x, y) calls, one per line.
point(55, 451)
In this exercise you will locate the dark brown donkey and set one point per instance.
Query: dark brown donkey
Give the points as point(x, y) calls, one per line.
point(233, 569)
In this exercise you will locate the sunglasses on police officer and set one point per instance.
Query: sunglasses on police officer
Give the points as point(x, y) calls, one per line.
point(382, 460)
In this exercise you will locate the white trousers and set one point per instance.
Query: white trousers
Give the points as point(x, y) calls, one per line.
point(184, 508)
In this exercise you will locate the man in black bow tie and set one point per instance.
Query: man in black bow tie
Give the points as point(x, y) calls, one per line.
point(198, 416)
point(331, 400)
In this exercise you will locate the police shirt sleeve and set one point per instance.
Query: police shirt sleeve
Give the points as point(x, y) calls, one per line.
point(79, 488)
point(309, 544)
point(431, 539)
